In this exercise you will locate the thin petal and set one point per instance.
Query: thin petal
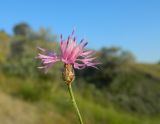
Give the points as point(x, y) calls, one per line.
point(88, 52)
point(41, 49)
point(48, 59)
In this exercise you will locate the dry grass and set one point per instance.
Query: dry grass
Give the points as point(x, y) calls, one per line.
point(14, 111)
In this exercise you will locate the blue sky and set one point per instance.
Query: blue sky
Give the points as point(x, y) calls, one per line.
point(133, 25)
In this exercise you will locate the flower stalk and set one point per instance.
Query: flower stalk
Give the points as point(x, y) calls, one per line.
point(69, 76)
point(74, 103)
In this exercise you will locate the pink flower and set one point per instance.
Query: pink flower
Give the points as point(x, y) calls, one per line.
point(71, 53)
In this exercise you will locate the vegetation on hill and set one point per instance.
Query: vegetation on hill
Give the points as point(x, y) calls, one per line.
point(120, 92)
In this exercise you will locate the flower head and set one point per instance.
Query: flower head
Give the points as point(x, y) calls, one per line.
point(72, 53)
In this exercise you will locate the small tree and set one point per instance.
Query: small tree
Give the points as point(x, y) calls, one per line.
point(22, 29)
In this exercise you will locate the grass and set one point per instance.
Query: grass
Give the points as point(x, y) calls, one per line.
point(16, 111)
point(151, 69)
point(31, 102)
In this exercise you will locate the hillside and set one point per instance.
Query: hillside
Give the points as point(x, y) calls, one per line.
point(120, 91)
point(21, 103)
point(136, 89)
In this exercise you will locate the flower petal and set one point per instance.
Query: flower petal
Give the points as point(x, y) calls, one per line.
point(47, 58)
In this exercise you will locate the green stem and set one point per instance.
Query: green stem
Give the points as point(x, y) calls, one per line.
point(74, 103)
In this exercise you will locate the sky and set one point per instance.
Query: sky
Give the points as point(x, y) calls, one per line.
point(133, 25)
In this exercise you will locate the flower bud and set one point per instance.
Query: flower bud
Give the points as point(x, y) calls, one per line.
point(68, 74)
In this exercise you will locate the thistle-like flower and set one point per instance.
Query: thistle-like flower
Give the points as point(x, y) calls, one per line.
point(71, 53)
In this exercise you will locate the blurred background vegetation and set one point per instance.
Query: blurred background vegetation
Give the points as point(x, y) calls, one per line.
point(122, 91)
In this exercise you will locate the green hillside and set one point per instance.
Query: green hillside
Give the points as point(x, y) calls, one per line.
point(25, 102)
point(121, 91)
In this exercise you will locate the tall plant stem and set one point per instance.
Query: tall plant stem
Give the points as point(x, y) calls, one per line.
point(74, 103)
